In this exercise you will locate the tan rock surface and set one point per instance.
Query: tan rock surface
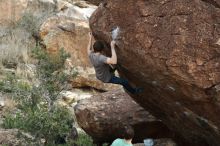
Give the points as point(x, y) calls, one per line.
point(11, 11)
point(70, 34)
point(19, 21)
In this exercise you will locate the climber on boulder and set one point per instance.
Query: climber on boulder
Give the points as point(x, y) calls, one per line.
point(101, 64)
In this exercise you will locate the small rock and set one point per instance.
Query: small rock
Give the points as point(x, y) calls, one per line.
point(2, 104)
point(68, 96)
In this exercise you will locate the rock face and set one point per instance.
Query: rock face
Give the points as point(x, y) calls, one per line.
point(68, 29)
point(86, 79)
point(11, 11)
point(71, 34)
point(19, 21)
point(54, 24)
point(172, 50)
point(102, 116)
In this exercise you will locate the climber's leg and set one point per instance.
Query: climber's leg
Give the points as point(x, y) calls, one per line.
point(124, 83)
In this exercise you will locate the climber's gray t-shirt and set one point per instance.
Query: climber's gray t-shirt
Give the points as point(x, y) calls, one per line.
point(101, 68)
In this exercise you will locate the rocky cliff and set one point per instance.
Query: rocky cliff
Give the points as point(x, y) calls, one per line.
point(54, 24)
point(171, 48)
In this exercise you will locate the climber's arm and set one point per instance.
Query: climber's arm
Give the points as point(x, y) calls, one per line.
point(113, 59)
point(89, 44)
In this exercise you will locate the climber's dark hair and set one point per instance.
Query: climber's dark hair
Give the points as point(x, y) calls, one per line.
point(98, 46)
point(128, 132)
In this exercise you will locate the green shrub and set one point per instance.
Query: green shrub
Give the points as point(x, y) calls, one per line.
point(41, 124)
point(36, 112)
point(84, 140)
point(29, 22)
point(9, 83)
point(50, 70)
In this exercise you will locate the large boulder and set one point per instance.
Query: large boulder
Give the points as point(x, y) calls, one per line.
point(71, 34)
point(20, 21)
point(13, 11)
point(171, 48)
point(86, 79)
point(103, 115)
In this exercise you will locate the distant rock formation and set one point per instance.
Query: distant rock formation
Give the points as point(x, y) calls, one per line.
point(103, 115)
point(171, 49)
point(70, 31)
point(54, 25)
